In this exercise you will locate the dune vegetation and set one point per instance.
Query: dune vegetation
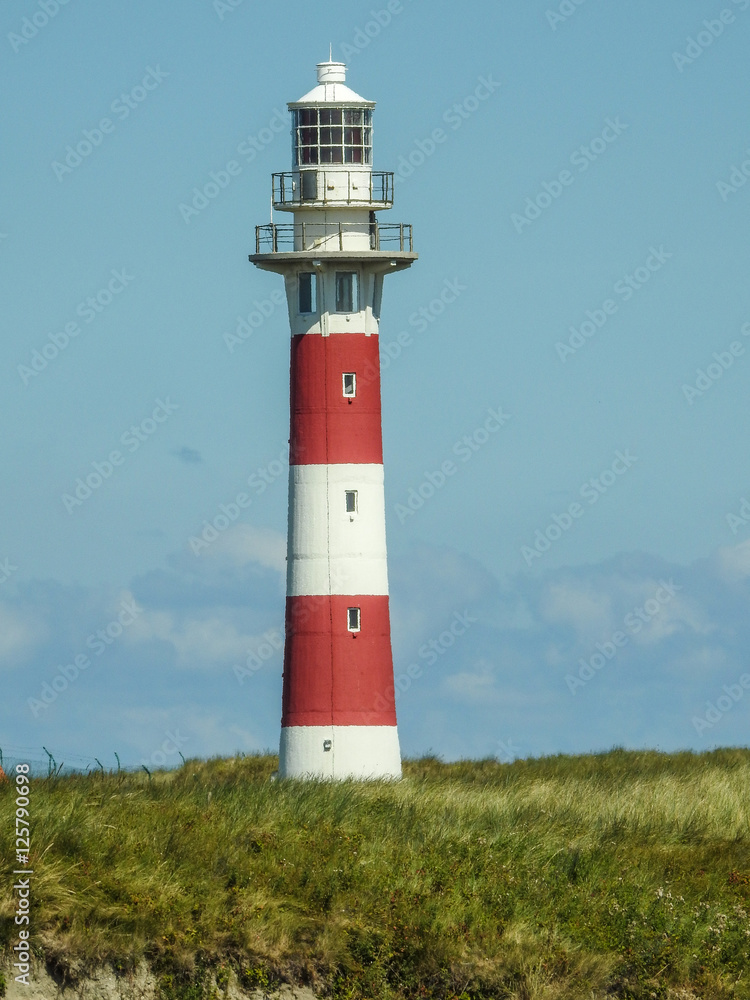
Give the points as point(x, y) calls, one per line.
point(625, 874)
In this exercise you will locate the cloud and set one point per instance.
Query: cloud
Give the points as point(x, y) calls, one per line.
point(244, 544)
point(499, 676)
point(478, 685)
point(20, 632)
point(188, 455)
point(210, 641)
point(580, 605)
point(733, 562)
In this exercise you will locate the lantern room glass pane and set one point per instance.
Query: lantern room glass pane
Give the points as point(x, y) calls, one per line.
point(332, 135)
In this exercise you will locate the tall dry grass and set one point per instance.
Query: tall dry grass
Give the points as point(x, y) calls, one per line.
point(620, 874)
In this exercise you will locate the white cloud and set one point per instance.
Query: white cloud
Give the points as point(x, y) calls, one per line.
point(244, 544)
point(20, 632)
point(506, 675)
point(587, 609)
point(733, 562)
point(211, 640)
point(473, 686)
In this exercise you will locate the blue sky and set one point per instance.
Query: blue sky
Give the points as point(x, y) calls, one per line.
point(574, 175)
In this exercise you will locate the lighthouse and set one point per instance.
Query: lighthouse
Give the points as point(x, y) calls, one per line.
point(338, 710)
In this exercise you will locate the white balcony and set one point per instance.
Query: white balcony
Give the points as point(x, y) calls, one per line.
point(395, 237)
point(310, 187)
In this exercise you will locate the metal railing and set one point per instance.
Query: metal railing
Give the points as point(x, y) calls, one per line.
point(362, 187)
point(395, 236)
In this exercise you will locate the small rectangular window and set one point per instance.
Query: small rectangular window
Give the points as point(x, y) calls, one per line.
point(346, 292)
point(350, 383)
point(353, 619)
point(351, 501)
point(307, 293)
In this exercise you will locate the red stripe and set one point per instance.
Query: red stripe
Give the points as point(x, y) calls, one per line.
point(333, 676)
point(327, 428)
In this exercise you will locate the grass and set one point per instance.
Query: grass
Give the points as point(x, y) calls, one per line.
point(623, 874)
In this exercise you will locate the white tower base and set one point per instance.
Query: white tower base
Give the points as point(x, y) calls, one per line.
point(340, 752)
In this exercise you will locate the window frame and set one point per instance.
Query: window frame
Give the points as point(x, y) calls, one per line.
point(354, 494)
point(353, 377)
point(313, 293)
point(349, 626)
point(353, 299)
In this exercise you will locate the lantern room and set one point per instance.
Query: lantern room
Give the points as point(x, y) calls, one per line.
point(332, 150)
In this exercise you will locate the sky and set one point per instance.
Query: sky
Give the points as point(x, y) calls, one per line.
point(565, 372)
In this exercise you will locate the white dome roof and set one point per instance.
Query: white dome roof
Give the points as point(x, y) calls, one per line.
point(331, 88)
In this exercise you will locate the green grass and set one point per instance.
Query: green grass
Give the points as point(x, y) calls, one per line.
point(616, 875)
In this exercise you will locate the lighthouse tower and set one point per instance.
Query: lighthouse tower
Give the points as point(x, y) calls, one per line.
point(338, 712)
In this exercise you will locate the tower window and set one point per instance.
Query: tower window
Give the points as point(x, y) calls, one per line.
point(307, 292)
point(353, 619)
point(346, 292)
point(351, 501)
point(350, 383)
point(332, 135)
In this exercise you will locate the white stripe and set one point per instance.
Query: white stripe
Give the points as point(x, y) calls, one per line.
point(340, 752)
point(331, 551)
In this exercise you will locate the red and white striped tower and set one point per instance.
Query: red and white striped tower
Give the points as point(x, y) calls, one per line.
point(338, 720)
